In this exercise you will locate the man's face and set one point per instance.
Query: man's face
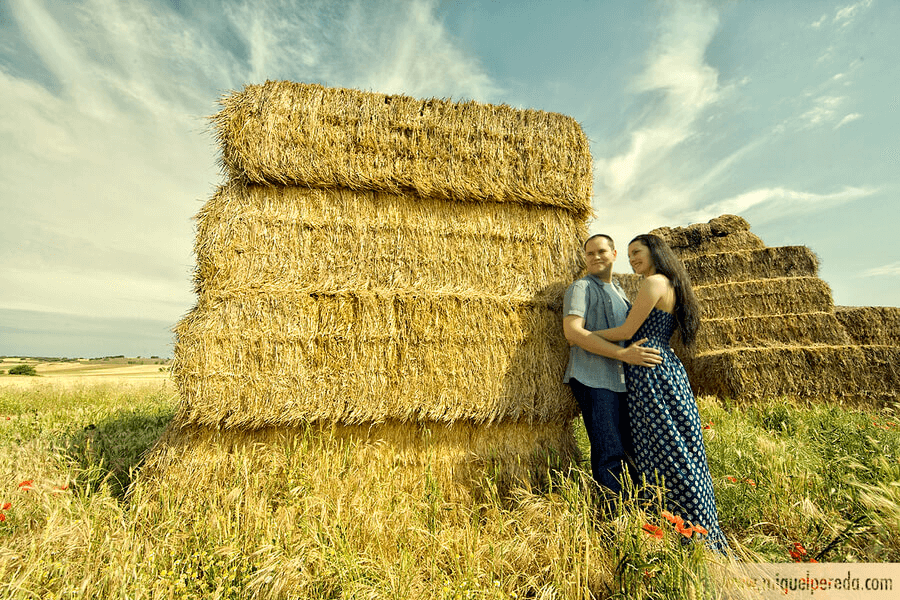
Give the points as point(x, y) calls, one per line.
point(599, 257)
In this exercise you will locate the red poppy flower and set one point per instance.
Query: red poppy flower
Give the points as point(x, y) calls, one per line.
point(751, 482)
point(7, 506)
point(26, 485)
point(2, 517)
point(684, 529)
point(672, 518)
point(731, 479)
point(798, 552)
point(708, 425)
point(653, 530)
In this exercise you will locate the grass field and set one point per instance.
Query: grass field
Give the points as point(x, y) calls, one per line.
point(303, 524)
point(75, 370)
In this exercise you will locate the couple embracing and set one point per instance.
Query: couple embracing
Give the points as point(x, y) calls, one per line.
point(636, 400)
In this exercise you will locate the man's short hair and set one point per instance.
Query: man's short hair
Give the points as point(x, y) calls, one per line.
point(612, 244)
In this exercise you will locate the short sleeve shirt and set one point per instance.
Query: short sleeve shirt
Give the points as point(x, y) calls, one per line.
point(603, 305)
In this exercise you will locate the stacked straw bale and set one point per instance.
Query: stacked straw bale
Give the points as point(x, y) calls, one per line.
point(871, 325)
point(389, 271)
point(770, 327)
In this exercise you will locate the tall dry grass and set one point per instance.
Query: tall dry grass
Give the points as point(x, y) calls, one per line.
point(308, 521)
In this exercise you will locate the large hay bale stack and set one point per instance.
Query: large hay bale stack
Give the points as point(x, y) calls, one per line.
point(770, 327)
point(389, 270)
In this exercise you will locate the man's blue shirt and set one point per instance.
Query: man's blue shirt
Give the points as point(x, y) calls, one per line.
point(603, 305)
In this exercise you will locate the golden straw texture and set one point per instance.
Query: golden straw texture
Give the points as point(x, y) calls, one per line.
point(771, 331)
point(765, 297)
point(201, 460)
point(876, 325)
point(770, 327)
point(254, 361)
point(387, 271)
point(740, 240)
point(340, 240)
point(378, 258)
point(307, 135)
point(742, 265)
point(696, 235)
point(852, 373)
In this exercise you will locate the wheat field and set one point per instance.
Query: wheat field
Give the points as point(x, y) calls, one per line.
point(303, 521)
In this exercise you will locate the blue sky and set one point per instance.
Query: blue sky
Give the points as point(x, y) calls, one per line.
point(783, 112)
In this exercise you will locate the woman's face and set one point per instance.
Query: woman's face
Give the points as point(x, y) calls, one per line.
point(640, 259)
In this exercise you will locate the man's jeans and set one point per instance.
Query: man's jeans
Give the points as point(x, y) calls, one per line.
point(605, 416)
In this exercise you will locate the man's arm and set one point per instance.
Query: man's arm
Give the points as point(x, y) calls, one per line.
point(635, 354)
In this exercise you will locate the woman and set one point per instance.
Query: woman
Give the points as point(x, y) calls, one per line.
point(666, 429)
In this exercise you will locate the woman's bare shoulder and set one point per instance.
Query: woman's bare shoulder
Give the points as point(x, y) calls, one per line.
point(657, 281)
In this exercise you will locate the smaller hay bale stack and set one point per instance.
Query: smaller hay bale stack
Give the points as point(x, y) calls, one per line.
point(770, 327)
point(386, 270)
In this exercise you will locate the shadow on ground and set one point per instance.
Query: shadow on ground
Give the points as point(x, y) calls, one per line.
point(107, 453)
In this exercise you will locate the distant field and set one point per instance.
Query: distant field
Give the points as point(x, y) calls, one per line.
point(108, 369)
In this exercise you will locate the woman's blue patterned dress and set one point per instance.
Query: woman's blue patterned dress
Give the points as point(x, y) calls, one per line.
point(666, 430)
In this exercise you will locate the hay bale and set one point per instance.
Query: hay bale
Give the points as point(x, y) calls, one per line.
point(754, 297)
point(630, 283)
point(716, 231)
point(336, 240)
point(744, 265)
point(759, 297)
point(307, 135)
point(384, 265)
point(871, 325)
point(282, 358)
point(773, 330)
point(741, 240)
point(864, 374)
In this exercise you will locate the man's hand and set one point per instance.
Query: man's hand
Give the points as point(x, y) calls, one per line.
point(638, 355)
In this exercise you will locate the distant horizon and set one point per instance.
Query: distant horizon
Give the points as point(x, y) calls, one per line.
point(4, 357)
point(149, 336)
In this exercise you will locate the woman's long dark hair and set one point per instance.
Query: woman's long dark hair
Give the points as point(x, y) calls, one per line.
point(687, 307)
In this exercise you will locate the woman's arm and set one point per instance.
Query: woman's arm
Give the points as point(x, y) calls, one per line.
point(651, 290)
point(635, 354)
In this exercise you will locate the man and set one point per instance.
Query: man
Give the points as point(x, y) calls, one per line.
point(595, 371)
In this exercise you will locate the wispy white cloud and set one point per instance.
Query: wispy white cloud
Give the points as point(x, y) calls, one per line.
point(846, 14)
point(685, 86)
point(848, 119)
point(842, 16)
point(824, 110)
point(416, 55)
point(778, 202)
point(891, 270)
point(393, 46)
point(106, 156)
